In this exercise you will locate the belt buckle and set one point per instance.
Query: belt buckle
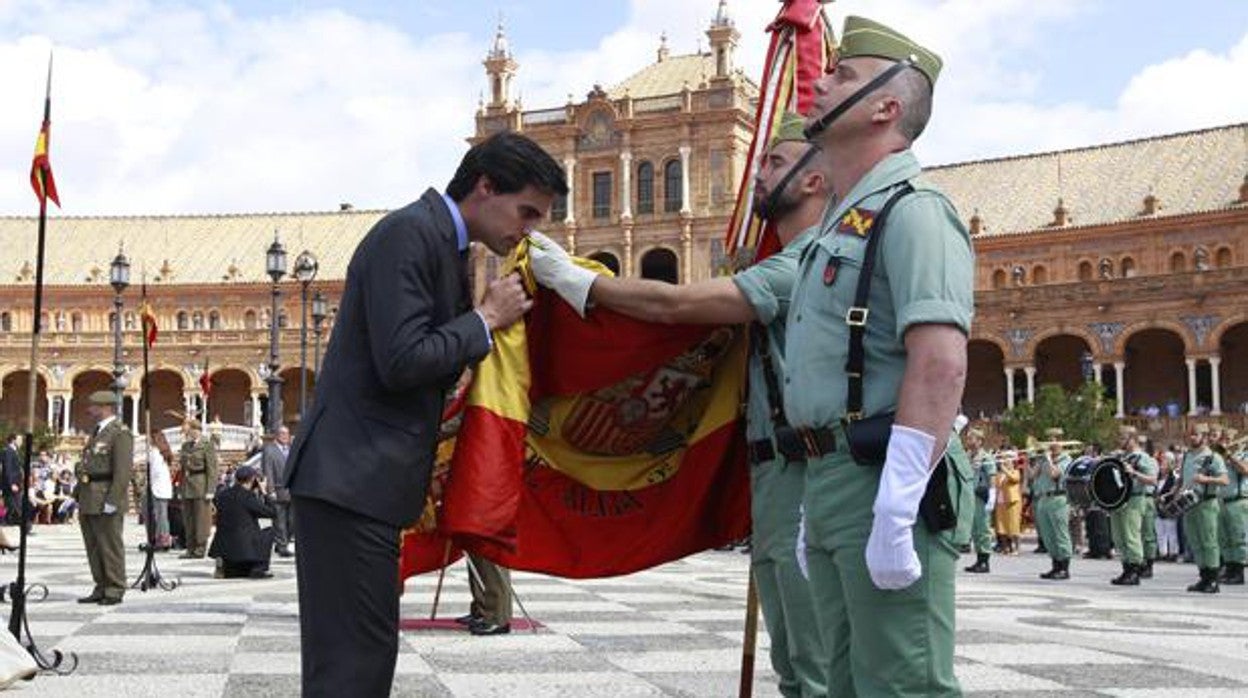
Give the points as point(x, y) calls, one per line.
point(856, 317)
point(85, 478)
point(810, 442)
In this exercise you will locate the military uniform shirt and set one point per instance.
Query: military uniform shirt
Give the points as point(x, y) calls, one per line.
point(924, 273)
point(1045, 484)
point(985, 467)
point(1205, 462)
point(1238, 486)
point(767, 286)
point(1146, 465)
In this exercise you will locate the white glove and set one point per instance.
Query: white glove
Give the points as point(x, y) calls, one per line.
point(992, 500)
point(109, 508)
point(891, 560)
point(554, 269)
point(801, 542)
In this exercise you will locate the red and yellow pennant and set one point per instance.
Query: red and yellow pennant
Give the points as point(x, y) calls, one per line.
point(41, 179)
point(150, 328)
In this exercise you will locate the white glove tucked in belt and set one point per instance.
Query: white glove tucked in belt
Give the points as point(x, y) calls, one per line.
point(891, 560)
point(801, 542)
point(554, 269)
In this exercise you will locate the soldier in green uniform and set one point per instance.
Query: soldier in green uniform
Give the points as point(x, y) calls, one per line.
point(103, 474)
point(1052, 511)
point(198, 461)
point(1126, 521)
point(984, 469)
point(1234, 510)
point(790, 192)
point(1203, 471)
point(1148, 520)
point(888, 369)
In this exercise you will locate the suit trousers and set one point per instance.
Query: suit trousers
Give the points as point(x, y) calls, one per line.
point(490, 586)
point(348, 601)
point(106, 553)
point(283, 521)
point(197, 520)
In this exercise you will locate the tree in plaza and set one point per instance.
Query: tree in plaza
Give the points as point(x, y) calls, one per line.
point(1084, 415)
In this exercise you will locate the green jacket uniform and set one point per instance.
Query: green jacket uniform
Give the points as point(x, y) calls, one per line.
point(878, 642)
point(103, 475)
point(1234, 514)
point(1200, 523)
point(776, 490)
point(199, 469)
point(1127, 521)
point(1052, 511)
point(984, 470)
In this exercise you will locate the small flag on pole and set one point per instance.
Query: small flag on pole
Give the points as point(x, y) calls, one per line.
point(205, 381)
point(41, 167)
point(149, 321)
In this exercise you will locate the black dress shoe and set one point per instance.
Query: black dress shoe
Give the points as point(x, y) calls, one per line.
point(283, 552)
point(487, 628)
point(261, 574)
point(110, 601)
point(469, 620)
point(90, 599)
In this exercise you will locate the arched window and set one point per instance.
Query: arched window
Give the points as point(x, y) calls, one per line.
point(1222, 258)
point(660, 264)
point(214, 320)
point(607, 260)
point(645, 187)
point(671, 186)
point(6, 322)
point(249, 320)
point(132, 320)
point(75, 322)
point(1085, 270)
point(281, 319)
point(1178, 262)
point(1128, 267)
point(62, 322)
point(266, 320)
point(183, 320)
point(197, 320)
point(998, 279)
point(1039, 275)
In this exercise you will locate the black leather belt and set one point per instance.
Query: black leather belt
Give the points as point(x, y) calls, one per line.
point(88, 478)
point(761, 451)
point(1234, 499)
point(805, 442)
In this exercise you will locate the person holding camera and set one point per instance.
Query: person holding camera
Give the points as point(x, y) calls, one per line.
point(243, 548)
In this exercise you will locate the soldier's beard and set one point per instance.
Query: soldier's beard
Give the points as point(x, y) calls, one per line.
point(775, 208)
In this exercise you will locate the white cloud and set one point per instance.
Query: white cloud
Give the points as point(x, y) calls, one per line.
point(167, 107)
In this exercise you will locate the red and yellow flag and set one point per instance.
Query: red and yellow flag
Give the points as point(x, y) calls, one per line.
point(150, 329)
point(41, 169)
point(611, 450)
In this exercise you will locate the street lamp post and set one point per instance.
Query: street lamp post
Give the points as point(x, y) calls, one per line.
point(119, 278)
point(320, 311)
point(305, 271)
point(275, 266)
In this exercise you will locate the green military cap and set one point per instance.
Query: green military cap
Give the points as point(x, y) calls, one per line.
point(103, 397)
point(1200, 428)
point(974, 432)
point(863, 37)
point(789, 129)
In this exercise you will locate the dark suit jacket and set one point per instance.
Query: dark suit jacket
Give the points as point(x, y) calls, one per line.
point(238, 537)
point(273, 467)
point(12, 466)
point(405, 330)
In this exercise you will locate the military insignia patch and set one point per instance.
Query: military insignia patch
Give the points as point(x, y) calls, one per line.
point(857, 221)
point(829, 272)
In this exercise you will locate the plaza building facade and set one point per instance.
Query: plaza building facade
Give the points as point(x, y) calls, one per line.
point(1125, 263)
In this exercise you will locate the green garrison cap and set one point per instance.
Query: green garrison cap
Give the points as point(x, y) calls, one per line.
point(789, 129)
point(103, 397)
point(863, 37)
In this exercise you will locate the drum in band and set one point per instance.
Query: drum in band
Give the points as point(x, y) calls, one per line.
point(1098, 482)
point(1177, 504)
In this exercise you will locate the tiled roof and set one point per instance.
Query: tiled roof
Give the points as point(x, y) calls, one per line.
point(199, 249)
point(668, 76)
point(1188, 173)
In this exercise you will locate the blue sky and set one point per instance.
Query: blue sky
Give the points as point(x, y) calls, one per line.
point(180, 106)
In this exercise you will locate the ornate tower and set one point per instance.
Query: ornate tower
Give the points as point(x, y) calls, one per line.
point(500, 67)
point(723, 35)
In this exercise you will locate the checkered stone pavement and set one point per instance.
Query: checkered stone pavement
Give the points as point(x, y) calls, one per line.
point(672, 631)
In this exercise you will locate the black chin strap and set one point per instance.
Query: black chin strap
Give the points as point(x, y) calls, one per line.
point(773, 199)
point(876, 83)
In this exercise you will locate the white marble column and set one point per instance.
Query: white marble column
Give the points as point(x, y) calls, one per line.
point(1009, 388)
point(1031, 382)
point(626, 185)
point(52, 426)
point(255, 410)
point(134, 414)
point(569, 168)
point(685, 205)
point(627, 269)
point(1096, 373)
point(1215, 368)
point(67, 413)
point(1120, 370)
point(1191, 387)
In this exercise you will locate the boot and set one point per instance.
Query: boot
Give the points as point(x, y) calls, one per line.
point(1146, 569)
point(1233, 573)
point(1061, 570)
point(1130, 575)
point(981, 564)
point(1040, 549)
point(1208, 583)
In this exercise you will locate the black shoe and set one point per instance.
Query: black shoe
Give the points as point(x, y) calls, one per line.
point(980, 566)
point(260, 574)
point(110, 601)
point(283, 552)
point(469, 620)
point(1041, 550)
point(1130, 576)
point(1232, 574)
point(1208, 583)
point(487, 628)
point(94, 598)
point(1145, 570)
point(1061, 570)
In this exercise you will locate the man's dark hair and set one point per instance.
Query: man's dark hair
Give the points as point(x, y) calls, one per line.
point(915, 92)
point(511, 161)
point(10, 438)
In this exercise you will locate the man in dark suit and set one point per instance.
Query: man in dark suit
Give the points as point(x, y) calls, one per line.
point(242, 546)
point(273, 468)
point(11, 462)
point(405, 330)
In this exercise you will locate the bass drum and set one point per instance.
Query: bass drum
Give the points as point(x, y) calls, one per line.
point(1098, 482)
point(1177, 504)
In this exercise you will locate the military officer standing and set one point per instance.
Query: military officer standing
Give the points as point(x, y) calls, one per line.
point(1126, 520)
point(1052, 511)
point(791, 192)
point(984, 467)
point(198, 461)
point(1234, 511)
point(1203, 471)
point(103, 474)
point(876, 351)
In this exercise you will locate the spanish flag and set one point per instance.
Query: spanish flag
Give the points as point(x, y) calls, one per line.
point(41, 179)
point(599, 447)
point(150, 328)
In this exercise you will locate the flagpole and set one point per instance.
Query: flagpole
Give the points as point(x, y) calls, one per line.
point(19, 625)
point(149, 577)
point(746, 688)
